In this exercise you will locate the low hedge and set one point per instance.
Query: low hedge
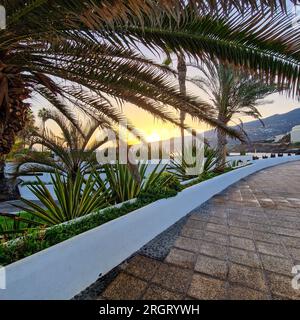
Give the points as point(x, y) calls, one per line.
point(38, 240)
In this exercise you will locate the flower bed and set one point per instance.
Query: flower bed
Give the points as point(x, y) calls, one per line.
point(38, 240)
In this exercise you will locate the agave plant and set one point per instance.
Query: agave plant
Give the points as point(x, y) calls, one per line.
point(75, 198)
point(211, 159)
point(121, 184)
point(201, 165)
point(74, 149)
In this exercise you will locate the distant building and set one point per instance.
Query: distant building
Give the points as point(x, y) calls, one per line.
point(295, 134)
point(278, 137)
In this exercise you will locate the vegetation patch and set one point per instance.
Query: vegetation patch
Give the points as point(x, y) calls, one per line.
point(35, 240)
point(40, 239)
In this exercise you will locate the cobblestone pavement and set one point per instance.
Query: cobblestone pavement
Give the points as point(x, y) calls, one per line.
point(241, 245)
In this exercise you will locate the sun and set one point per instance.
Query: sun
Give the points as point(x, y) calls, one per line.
point(153, 137)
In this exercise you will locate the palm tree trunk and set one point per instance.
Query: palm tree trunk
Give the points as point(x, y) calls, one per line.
point(43, 134)
point(222, 146)
point(2, 169)
point(4, 188)
point(181, 69)
point(8, 187)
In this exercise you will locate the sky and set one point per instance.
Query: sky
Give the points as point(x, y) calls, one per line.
point(155, 129)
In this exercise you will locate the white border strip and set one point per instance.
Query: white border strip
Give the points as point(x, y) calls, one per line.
point(63, 270)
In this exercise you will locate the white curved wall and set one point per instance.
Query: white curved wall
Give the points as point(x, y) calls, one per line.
point(295, 134)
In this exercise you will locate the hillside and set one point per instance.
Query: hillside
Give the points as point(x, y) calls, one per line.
point(274, 125)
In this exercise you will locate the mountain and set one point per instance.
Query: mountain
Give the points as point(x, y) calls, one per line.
point(274, 125)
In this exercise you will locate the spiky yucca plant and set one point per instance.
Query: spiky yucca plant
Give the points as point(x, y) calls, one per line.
point(73, 149)
point(75, 198)
point(121, 184)
point(202, 164)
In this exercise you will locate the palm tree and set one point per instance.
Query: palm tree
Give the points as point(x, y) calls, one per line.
point(85, 52)
point(8, 186)
point(231, 93)
point(182, 70)
point(74, 150)
point(42, 114)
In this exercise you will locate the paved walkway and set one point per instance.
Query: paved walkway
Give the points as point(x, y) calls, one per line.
point(242, 245)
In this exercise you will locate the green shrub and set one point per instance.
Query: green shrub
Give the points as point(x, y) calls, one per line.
point(155, 194)
point(208, 175)
point(12, 225)
point(170, 181)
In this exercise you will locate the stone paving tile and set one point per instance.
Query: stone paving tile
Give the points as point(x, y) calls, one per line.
point(216, 237)
point(244, 257)
point(142, 267)
point(211, 266)
point(125, 287)
point(157, 293)
point(241, 243)
point(173, 278)
point(271, 249)
point(281, 286)
point(240, 232)
point(221, 214)
point(238, 216)
point(276, 264)
point(238, 223)
point(284, 224)
point(295, 252)
point(217, 228)
point(248, 277)
point(286, 231)
point(206, 288)
point(213, 250)
point(196, 224)
point(290, 241)
point(181, 258)
point(266, 237)
point(192, 233)
point(203, 217)
point(236, 292)
point(188, 244)
point(218, 220)
point(260, 227)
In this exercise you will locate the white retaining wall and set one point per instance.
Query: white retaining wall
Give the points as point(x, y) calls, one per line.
point(62, 271)
point(46, 178)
